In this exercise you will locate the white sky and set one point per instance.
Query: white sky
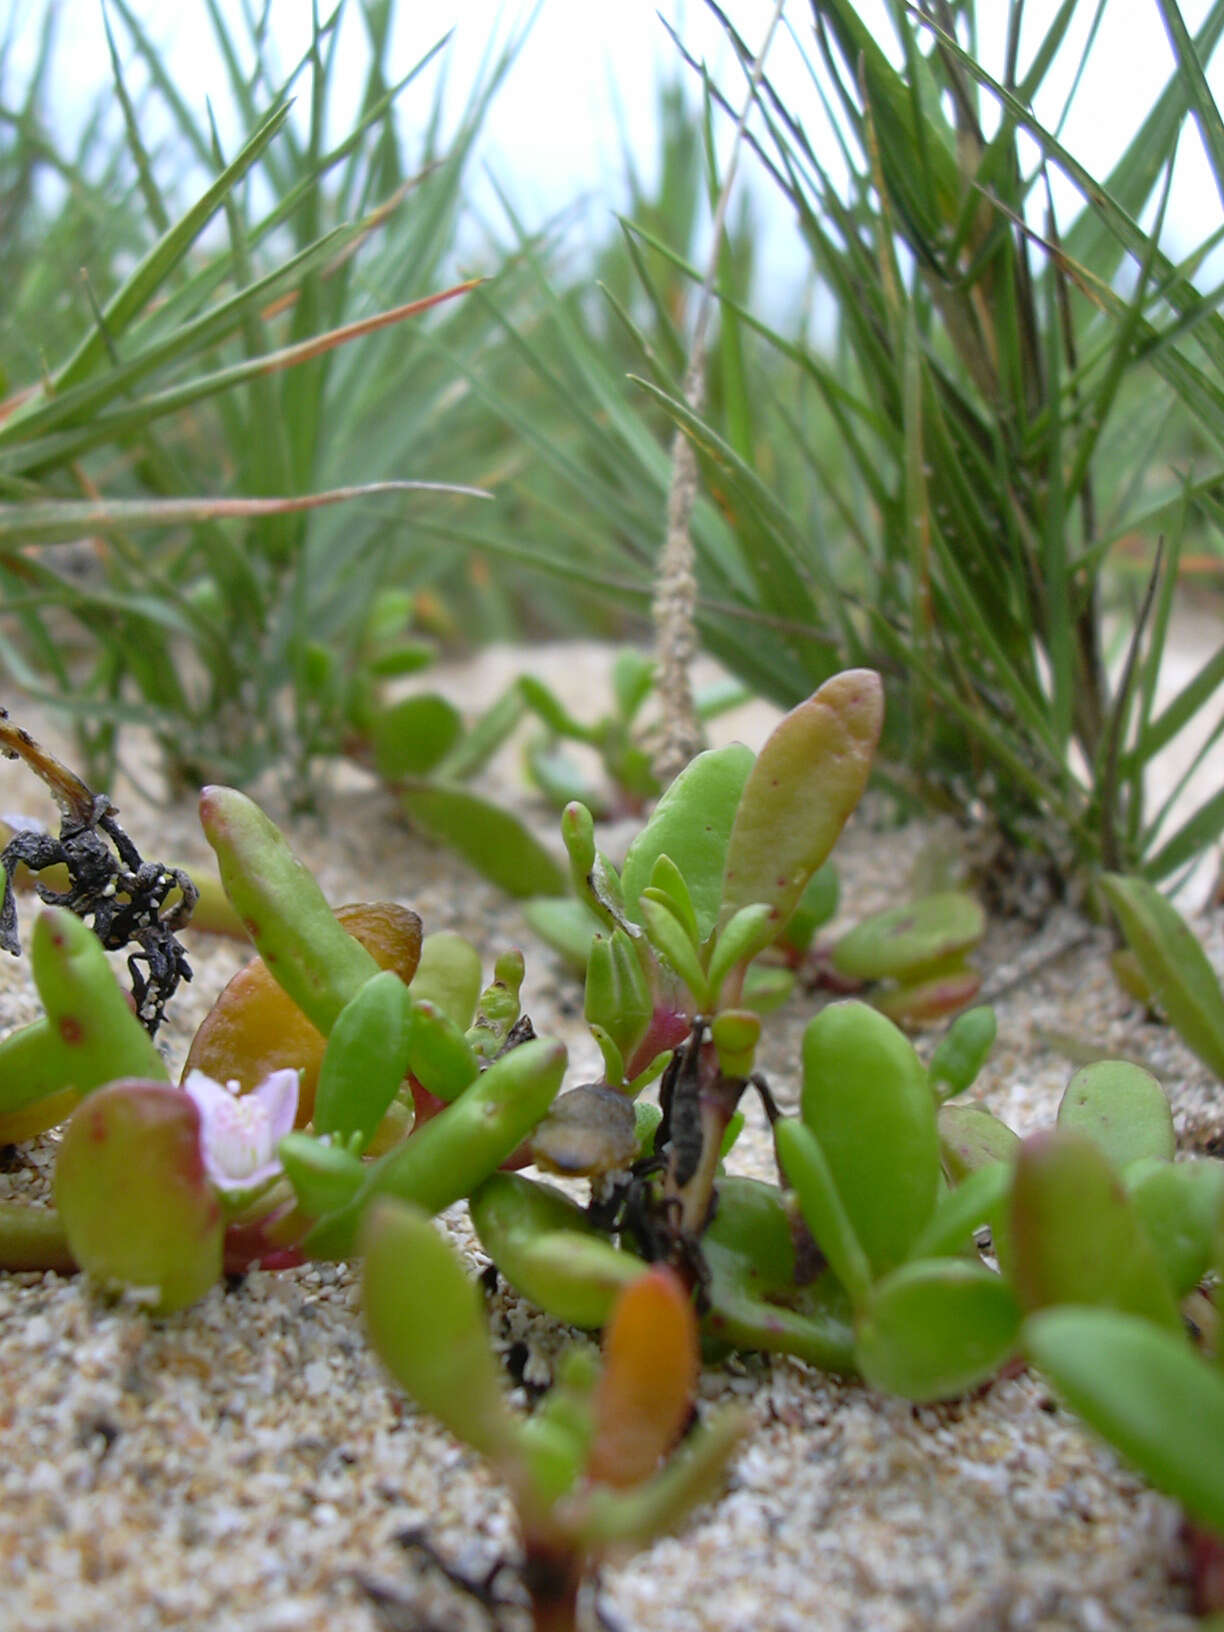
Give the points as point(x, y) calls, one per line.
point(552, 133)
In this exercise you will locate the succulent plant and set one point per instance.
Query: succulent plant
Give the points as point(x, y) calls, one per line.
point(599, 1467)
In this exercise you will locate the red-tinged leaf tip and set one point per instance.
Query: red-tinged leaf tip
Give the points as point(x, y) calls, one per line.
point(651, 1367)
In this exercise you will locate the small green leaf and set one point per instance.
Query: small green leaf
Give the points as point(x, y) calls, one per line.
point(971, 1137)
point(1146, 1391)
point(977, 1201)
point(325, 1177)
point(1074, 1236)
point(492, 841)
point(667, 881)
point(410, 737)
point(692, 823)
point(546, 1247)
point(1179, 1205)
point(426, 1321)
point(549, 708)
point(568, 926)
point(1123, 1108)
point(1176, 967)
point(806, 1170)
point(366, 1059)
point(897, 943)
point(669, 938)
point(962, 1051)
point(448, 976)
point(806, 780)
point(936, 1328)
point(437, 1053)
point(632, 678)
point(748, 933)
point(866, 1098)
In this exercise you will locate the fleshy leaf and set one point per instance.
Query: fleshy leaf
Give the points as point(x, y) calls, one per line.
point(1147, 1392)
point(1180, 1205)
point(426, 1320)
point(547, 1248)
point(867, 1100)
point(133, 1196)
point(1123, 1108)
point(649, 1379)
point(816, 906)
point(692, 823)
point(971, 1137)
point(448, 976)
point(438, 1054)
point(806, 780)
point(806, 1170)
point(669, 938)
point(739, 942)
point(1176, 967)
point(892, 944)
point(365, 1060)
point(411, 736)
point(936, 1328)
point(568, 926)
point(939, 994)
point(489, 838)
point(635, 1517)
point(1074, 1236)
point(962, 1051)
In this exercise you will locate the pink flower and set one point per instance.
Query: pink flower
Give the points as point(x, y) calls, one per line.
point(239, 1132)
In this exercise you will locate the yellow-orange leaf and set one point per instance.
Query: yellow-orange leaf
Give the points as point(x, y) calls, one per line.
point(649, 1379)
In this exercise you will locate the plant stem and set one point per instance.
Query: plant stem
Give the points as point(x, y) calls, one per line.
point(33, 1238)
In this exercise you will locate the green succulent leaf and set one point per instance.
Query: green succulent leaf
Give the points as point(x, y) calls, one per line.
point(567, 925)
point(670, 939)
point(617, 997)
point(551, 710)
point(448, 976)
point(1074, 1235)
point(1175, 965)
point(748, 933)
point(1180, 1205)
point(438, 1054)
point(807, 1171)
point(133, 1196)
point(936, 1328)
point(1123, 1108)
point(635, 1517)
point(667, 883)
point(325, 1177)
point(1146, 1391)
point(632, 677)
point(692, 824)
point(866, 1098)
point(366, 1059)
point(962, 1051)
point(426, 1321)
point(547, 1248)
point(410, 737)
point(816, 906)
point(806, 780)
point(894, 944)
point(488, 838)
point(766, 987)
point(979, 1200)
point(971, 1137)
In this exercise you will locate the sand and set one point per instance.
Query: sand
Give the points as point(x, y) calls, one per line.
point(246, 1466)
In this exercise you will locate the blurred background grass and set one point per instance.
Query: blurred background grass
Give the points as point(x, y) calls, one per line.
point(952, 452)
